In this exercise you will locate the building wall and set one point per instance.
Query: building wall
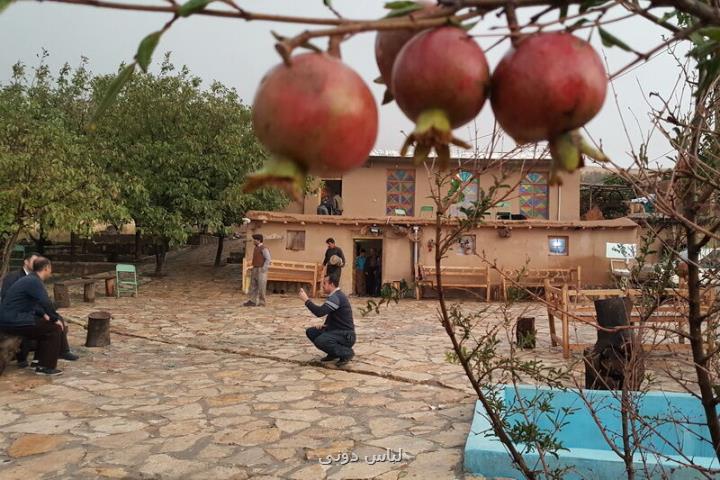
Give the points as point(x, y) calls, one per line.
point(523, 247)
point(365, 194)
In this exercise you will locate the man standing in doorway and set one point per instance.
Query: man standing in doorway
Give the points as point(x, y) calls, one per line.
point(360, 273)
point(258, 274)
point(333, 266)
point(336, 336)
point(370, 268)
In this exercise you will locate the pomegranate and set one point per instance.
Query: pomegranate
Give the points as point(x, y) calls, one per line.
point(545, 88)
point(388, 44)
point(440, 81)
point(315, 116)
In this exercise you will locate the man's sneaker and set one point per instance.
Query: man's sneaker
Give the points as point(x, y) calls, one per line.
point(69, 356)
point(249, 304)
point(328, 358)
point(48, 371)
point(35, 363)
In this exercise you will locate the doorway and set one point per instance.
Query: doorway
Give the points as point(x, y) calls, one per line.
point(370, 282)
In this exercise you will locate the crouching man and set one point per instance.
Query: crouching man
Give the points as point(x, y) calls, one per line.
point(337, 335)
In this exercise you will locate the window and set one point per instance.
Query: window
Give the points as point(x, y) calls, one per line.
point(400, 191)
point(534, 195)
point(558, 245)
point(620, 250)
point(470, 194)
point(466, 245)
point(295, 240)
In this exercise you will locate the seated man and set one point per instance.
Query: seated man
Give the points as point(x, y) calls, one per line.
point(28, 312)
point(337, 335)
point(27, 344)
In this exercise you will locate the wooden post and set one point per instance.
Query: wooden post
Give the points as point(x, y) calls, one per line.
point(98, 334)
point(550, 311)
point(565, 317)
point(525, 333)
point(89, 292)
point(110, 287)
point(487, 283)
point(62, 295)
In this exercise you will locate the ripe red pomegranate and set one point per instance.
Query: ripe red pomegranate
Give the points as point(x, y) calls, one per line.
point(388, 44)
point(547, 86)
point(440, 81)
point(314, 116)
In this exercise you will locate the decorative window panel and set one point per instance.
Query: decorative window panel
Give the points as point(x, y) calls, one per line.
point(534, 195)
point(470, 194)
point(400, 191)
point(295, 240)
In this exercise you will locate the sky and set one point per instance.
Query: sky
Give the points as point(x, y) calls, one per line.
point(238, 53)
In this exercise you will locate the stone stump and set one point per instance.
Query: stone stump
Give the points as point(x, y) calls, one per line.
point(9, 346)
point(525, 333)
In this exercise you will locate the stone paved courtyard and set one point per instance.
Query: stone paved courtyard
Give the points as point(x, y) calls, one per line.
point(196, 386)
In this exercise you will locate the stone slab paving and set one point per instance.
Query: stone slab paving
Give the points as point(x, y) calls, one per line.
point(197, 386)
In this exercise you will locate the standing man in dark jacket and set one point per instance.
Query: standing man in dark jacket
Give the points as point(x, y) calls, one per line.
point(332, 267)
point(337, 335)
point(28, 312)
point(258, 275)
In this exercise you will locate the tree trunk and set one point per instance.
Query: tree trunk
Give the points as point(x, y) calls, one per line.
point(218, 254)
point(40, 241)
point(138, 243)
point(7, 252)
point(160, 254)
point(98, 333)
point(73, 246)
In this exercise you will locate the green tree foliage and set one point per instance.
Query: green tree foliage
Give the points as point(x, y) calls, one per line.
point(48, 177)
point(180, 154)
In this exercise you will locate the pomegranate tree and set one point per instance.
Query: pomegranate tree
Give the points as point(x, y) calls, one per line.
point(388, 44)
point(440, 81)
point(546, 88)
point(315, 116)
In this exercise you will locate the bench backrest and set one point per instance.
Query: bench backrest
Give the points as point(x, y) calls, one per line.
point(428, 272)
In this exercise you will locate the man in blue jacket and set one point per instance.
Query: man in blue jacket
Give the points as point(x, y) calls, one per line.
point(27, 312)
point(337, 335)
point(28, 345)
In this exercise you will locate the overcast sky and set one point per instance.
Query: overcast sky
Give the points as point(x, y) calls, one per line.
point(238, 53)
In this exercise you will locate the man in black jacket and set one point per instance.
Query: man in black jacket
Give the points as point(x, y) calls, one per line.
point(331, 267)
point(27, 344)
point(337, 335)
point(28, 312)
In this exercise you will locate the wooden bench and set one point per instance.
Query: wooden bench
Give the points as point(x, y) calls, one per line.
point(454, 277)
point(286, 271)
point(62, 294)
point(109, 280)
point(536, 277)
point(9, 346)
point(575, 306)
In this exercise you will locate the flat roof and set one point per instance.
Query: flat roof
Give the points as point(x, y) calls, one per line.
point(298, 218)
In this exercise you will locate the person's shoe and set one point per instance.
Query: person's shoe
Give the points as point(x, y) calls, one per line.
point(48, 371)
point(23, 364)
point(34, 363)
point(69, 356)
point(344, 361)
point(328, 358)
point(249, 304)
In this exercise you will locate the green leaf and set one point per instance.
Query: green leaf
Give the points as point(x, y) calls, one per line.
point(401, 12)
point(711, 32)
point(4, 4)
point(469, 26)
point(563, 12)
point(122, 78)
point(588, 4)
point(146, 48)
point(192, 6)
point(399, 5)
point(610, 40)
